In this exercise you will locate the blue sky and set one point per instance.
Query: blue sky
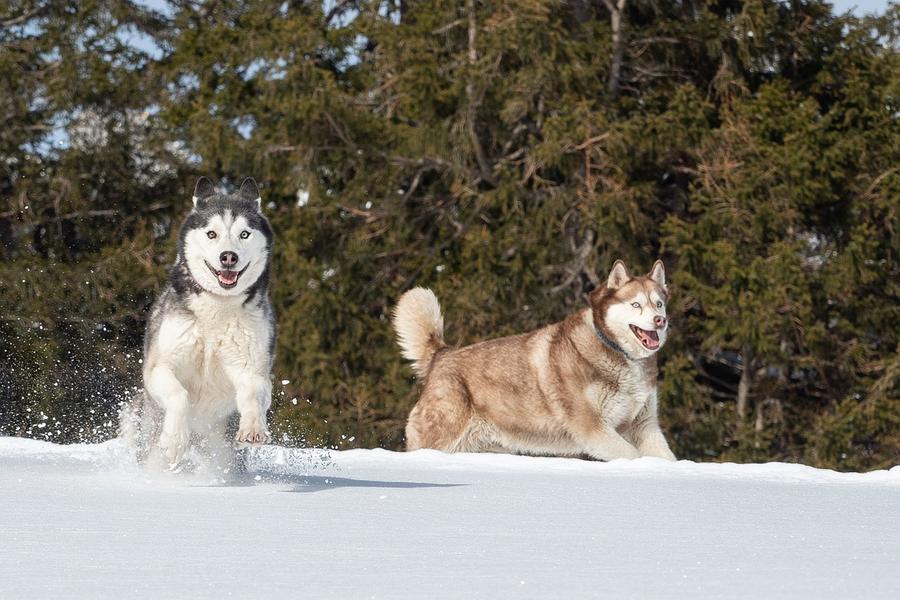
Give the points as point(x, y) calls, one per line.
point(860, 7)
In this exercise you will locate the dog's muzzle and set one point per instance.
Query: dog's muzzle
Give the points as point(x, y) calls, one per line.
point(227, 278)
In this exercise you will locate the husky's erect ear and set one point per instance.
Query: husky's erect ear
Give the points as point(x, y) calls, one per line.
point(618, 276)
point(250, 192)
point(203, 190)
point(658, 273)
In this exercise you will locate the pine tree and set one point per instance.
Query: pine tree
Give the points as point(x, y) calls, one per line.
point(83, 177)
point(501, 153)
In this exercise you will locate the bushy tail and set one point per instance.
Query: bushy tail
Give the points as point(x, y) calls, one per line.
point(420, 327)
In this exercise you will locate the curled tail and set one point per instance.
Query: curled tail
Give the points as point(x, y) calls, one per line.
point(420, 327)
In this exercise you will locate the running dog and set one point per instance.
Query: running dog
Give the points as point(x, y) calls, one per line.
point(210, 338)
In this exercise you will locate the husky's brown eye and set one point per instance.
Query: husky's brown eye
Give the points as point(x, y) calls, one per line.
point(245, 235)
point(211, 234)
point(636, 304)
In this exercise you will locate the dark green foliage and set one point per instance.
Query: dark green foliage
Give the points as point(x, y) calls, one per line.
point(485, 150)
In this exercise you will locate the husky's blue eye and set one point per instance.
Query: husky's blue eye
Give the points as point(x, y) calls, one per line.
point(245, 235)
point(211, 234)
point(636, 304)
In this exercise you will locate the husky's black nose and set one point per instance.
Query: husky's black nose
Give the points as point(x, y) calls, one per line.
point(228, 259)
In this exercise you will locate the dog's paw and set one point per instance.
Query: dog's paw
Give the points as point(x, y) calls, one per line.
point(667, 454)
point(174, 443)
point(629, 453)
point(657, 449)
point(253, 432)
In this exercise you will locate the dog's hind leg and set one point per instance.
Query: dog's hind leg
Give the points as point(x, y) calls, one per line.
point(140, 421)
point(479, 436)
point(439, 419)
point(219, 451)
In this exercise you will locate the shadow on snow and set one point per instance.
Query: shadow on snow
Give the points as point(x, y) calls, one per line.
point(305, 484)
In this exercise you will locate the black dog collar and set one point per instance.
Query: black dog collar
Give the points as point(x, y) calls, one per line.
point(612, 345)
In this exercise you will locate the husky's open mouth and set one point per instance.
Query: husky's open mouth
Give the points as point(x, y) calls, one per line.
point(227, 279)
point(648, 339)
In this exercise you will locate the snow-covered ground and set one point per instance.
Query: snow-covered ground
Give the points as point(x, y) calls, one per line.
point(84, 521)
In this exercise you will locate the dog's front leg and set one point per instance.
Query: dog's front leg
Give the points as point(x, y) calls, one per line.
point(254, 396)
point(648, 436)
point(165, 389)
point(652, 442)
point(607, 444)
point(602, 442)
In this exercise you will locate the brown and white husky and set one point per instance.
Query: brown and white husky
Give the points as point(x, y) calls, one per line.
point(585, 386)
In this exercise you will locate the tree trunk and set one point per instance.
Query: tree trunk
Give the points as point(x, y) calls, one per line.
point(484, 166)
point(618, 49)
point(760, 423)
point(743, 391)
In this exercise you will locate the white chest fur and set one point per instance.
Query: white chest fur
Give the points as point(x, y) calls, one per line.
point(227, 331)
point(219, 340)
point(619, 402)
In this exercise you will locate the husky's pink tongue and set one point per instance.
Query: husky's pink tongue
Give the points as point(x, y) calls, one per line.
point(650, 339)
point(228, 277)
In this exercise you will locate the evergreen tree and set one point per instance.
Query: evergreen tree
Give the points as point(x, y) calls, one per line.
point(501, 153)
point(85, 183)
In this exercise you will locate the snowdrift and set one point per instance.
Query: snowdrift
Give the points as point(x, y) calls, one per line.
point(85, 521)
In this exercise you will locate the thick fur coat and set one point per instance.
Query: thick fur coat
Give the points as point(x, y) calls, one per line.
point(210, 338)
point(584, 386)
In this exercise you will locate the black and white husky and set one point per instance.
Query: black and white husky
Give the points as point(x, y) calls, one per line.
point(210, 338)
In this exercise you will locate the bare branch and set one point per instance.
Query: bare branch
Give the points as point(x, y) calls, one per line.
point(448, 27)
point(9, 21)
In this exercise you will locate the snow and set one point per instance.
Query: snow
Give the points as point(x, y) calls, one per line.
point(85, 521)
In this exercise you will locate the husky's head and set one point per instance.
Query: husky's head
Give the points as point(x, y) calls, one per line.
point(630, 312)
point(226, 241)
